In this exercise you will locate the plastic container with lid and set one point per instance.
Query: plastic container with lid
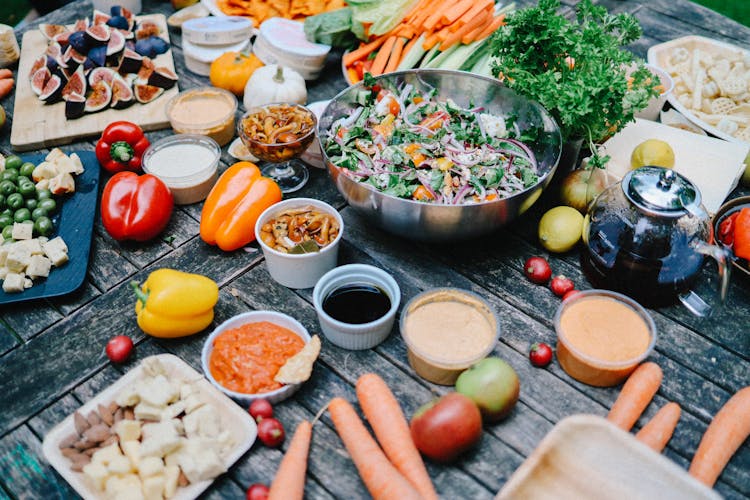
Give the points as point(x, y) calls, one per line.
point(204, 111)
point(446, 330)
point(9, 50)
point(198, 58)
point(186, 163)
point(217, 30)
point(282, 41)
point(602, 336)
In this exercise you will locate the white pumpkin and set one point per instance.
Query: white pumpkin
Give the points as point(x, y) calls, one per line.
point(274, 83)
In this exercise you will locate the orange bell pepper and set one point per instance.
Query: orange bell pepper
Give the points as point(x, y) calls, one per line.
point(234, 204)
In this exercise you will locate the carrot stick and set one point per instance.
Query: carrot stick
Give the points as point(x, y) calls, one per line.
point(455, 37)
point(5, 73)
point(432, 20)
point(389, 424)
point(378, 64)
point(472, 35)
point(289, 482)
point(472, 13)
point(492, 27)
point(6, 85)
point(658, 431)
point(726, 433)
point(408, 47)
point(455, 11)
point(381, 478)
point(395, 57)
point(635, 395)
point(416, 11)
point(363, 51)
point(430, 41)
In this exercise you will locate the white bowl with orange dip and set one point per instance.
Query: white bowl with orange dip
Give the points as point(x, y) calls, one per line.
point(244, 353)
point(602, 336)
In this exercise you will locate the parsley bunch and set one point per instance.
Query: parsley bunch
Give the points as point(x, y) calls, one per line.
point(574, 68)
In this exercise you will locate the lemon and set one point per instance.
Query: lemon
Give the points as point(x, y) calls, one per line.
point(560, 229)
point(652, 152)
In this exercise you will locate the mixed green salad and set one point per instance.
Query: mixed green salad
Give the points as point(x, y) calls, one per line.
point(409, 144)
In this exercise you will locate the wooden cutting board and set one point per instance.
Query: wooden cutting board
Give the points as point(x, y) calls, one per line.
point(37, 125)
point(585, 457)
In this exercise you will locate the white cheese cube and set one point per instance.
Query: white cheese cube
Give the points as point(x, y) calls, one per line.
point(22, 230)
point(153, 487)
point(97, 473)
point(193, 402)
point(39, 266)
point(128, 430)
point(56, 250)
point(105, 455)
point(153, 367)
point(3, 272)
point(120, 465)
point(144, 411)
point(33, 246)
point(62, 183)
point(4, 249)
point(158, 391)
point(172, 458)
point(13, 283)
point(77, 164)
point(55, 154)
point(18, 258)
point(173, 410)
point(42, 184)
point(44, 171)
point(27, 283)
point(185, 389)
point(150, 466)
point(199, 461)
point(159, 445)
point(132, 450)
point(171, 476)
point(203, 422)
point(127, 487)
point(128, 396)
point(165, 428)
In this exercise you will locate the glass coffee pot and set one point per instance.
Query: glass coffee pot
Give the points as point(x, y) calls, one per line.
point(648, 236)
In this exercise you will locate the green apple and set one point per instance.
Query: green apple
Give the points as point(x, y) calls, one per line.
point(493, 385)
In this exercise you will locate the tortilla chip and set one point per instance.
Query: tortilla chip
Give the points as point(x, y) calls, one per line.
point(298, 368)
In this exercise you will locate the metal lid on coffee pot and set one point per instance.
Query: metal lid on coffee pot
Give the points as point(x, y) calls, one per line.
point(661, 191)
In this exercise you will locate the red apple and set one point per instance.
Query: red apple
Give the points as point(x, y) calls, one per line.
point(446, 427)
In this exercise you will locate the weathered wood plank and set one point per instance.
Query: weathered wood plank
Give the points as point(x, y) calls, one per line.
point(8, 339)
point(75, 300)
point(55, 413)
point(27, 319)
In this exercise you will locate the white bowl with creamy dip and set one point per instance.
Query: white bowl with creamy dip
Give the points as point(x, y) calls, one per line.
point(447, 330)
point(206, 111)
point(186, 163)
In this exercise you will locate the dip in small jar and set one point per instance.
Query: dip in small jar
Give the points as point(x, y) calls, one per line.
point(447, 330)
point(186, 163)
point(205, 111)
point(602, 336)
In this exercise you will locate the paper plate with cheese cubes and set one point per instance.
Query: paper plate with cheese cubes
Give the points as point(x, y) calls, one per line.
point(33, 266)
point(161, 431)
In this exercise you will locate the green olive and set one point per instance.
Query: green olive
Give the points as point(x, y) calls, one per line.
point(2, 201)
point(43, 226)
point(10, 174)
point(27, 169)
point(14, 201)
point(22, 215)
point(27, 190)
point(8, 232)
point(48, 204)
point(38, 212)
point(8, 187)
point(43, 194)
point(31, 204)
point(6, 220)
point(13, 161)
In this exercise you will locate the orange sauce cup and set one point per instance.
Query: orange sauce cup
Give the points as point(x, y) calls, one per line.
point(602, 336)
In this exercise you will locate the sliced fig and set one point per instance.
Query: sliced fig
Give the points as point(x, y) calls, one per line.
point(78, 41)
point(119, 10)
point(51, 30)
point(97, 34)
point(100, 17)
point(147, 67)
point(76, 56)
point(129, 35)
point(162, 77)
point(146, 29)
point(146, 93)
point(97, 75)
point(116, 43)
point(118, 22)
point(39, 79)
point(52, 91)
point(76, 84)
point(97, 57)
point(54, 49)
point(131, 62)
point(75, 106)
point(100, 97)
point(122, 94)
point(81, 24)
point(38, 63)
point(62, 38)
point(70, 62)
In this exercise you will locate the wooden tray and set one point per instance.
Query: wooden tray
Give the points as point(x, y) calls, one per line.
point(37, 125)
point(587, 457)
point(236, 420)
point(74, 222)
point(658, 55)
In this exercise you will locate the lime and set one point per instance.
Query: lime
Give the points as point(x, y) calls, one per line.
point(560, 229)
point(652, 152)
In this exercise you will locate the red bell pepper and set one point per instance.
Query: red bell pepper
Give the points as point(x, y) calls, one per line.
point(742, 234)
point(121, 147)
point(135, 207)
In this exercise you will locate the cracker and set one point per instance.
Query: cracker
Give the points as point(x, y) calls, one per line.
point(298, 368)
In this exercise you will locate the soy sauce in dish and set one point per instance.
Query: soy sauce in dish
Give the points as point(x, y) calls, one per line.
point(357, 303)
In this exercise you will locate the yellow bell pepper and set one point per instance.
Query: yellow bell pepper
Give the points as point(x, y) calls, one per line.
point(175, 304)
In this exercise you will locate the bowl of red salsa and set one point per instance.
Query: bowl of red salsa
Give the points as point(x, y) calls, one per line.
point(243, 354)
point(732, 231)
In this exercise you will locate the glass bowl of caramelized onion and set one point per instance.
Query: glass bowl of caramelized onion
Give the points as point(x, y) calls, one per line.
point(279, 134)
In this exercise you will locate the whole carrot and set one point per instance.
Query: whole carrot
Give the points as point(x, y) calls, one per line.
point(381, 478)
point(389, 424)
point(635, 395)
point(289, 482)
point(658, 431)
point(726, 433)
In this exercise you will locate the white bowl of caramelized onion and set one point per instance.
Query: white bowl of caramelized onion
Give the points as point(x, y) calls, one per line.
point(300, 239)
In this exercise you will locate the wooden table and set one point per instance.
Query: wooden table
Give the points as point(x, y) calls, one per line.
point(52, 351)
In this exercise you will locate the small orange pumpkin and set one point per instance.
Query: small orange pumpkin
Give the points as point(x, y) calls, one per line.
point(232, 70)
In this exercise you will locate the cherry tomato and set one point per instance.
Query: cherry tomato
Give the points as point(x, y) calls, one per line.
point(571, 293)
point(271, 432)
point(257, 491)
point(260, 409)
point(560, 285)
point(726, 230)
point(119, 348)
point(540, 354)
point(537, 270)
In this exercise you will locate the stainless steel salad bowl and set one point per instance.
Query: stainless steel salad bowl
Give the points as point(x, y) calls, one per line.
point(439, 221)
